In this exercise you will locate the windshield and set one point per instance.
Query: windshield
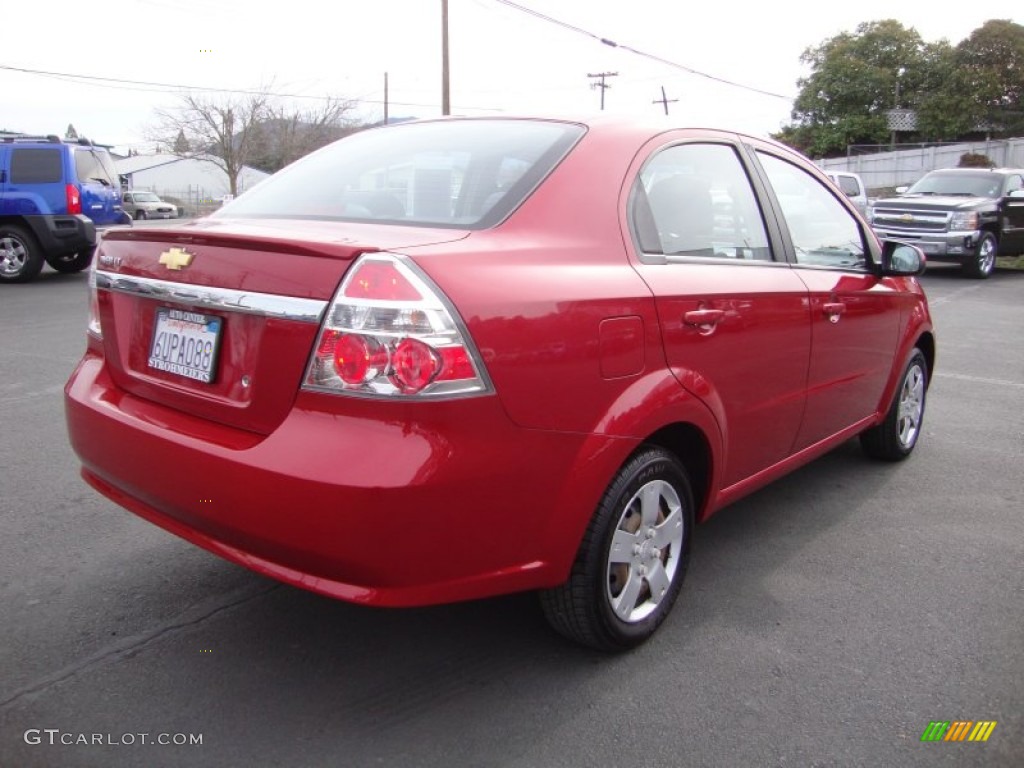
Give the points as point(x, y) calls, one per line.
point(981, 184)
point(146, 197)
point(467, 174)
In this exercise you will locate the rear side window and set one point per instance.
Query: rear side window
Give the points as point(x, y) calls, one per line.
point(849, 186)
point(695, 200)
point(36, 166)
point(467, 174)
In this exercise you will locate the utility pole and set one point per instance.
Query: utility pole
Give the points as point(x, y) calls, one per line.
point(385, 98)
point(664, 101)
point(446, 104)
point(603, 86)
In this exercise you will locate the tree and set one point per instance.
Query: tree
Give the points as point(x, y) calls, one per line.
point(286, 135)
point(853, 83)
point(955, 92)
point(222, 132)
point(991, 63)
point(252, 130)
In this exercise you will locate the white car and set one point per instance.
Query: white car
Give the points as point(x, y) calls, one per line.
point(147, 205)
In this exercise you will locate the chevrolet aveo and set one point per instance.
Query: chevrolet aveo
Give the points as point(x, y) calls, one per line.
point(459, 358)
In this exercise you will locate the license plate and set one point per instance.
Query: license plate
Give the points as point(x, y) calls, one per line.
point(185, 344)
point(929, 247)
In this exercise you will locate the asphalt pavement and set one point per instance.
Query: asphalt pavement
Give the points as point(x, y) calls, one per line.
point(825, 621)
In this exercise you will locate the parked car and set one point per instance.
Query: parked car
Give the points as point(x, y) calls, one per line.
point(54, 195)
point(964, 215)
point(853, 187)
point(141, 204)
point(373, 377)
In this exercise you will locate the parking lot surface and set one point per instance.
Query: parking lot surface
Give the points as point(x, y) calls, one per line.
point(825, 620)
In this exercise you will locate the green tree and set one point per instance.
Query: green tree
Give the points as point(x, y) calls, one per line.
point(991, 63)
point(855, 79)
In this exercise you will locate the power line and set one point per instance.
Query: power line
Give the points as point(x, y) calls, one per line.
point(156, 87)
point(644, 54)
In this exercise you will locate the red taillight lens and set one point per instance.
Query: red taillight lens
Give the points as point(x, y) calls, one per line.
point(416, 365)
point(390, 332)
point(380, 280)
point(74, 198)
point(358, 359)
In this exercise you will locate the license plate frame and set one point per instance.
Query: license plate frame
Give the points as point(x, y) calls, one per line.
point(185, 344)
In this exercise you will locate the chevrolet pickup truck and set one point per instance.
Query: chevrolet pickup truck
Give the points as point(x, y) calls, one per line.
point(963, 215)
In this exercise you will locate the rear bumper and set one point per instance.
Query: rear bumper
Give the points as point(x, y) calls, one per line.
point(63, 235)
point(424, 506)
point(938, 246)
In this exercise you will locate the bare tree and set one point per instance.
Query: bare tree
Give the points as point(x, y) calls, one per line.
point(289, 134)
point(224, 132)
point(251, 130)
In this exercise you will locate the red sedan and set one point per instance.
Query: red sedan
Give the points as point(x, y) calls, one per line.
point(458, 358)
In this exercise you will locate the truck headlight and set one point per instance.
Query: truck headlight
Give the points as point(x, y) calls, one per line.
point(964, 220)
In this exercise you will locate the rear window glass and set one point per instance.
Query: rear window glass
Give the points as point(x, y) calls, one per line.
point(467, 174)
point(36, 166)
point(95, 165)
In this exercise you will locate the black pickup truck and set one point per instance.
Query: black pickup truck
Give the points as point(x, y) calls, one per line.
point(965, 215)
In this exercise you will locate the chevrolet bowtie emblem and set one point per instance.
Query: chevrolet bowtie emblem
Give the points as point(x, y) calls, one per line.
point(907, 217)
point(176, 258)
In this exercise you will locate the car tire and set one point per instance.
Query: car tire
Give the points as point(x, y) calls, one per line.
point(20, 257)
point(71, 263)
point(140, 215)
point(895, 438)
point(983, 262)
point(631, 563)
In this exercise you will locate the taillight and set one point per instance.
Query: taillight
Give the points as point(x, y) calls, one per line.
point(74, 198)
point(389, 331)
point(94, 329)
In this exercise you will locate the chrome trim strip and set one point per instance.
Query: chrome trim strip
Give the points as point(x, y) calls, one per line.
point(208, 297)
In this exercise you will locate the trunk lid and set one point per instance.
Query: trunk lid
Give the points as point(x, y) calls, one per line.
point(237, 302)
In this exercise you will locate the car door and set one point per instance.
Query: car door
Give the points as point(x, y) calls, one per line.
point(854, 315)
point(1011, 209)
point(733, 317)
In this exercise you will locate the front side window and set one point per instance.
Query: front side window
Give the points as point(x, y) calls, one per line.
point(695, 200)
point(823, 231)
point(460, 173)
point(36, 166)
point(849, 186)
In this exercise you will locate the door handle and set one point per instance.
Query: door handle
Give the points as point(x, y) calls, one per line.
point(704, 319)
point(833, 309)
point(704, 316)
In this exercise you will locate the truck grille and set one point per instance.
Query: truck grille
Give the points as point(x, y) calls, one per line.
point(911, 220)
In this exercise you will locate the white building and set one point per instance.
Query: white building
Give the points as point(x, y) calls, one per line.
point(196, 184)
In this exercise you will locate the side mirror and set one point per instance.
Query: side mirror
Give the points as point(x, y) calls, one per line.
point(901, 259)
point(902, 190)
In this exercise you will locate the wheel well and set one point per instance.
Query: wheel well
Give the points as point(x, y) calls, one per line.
point(927, 346)
point(689, 445)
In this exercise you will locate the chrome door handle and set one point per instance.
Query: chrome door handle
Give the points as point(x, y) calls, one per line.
point(833, 309)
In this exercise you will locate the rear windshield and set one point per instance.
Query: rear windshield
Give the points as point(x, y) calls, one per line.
point(95, 165)
point(466, 174)
point(982, 184)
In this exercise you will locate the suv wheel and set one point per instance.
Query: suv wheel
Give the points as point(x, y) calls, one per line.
point(984, 260)
point(20, 258)
point(74, 262)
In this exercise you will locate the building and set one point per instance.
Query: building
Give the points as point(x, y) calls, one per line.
point(196, 185)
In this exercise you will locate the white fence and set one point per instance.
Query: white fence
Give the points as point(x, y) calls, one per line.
point(905, 166)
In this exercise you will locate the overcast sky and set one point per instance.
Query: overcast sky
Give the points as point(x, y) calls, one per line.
point(502, 59)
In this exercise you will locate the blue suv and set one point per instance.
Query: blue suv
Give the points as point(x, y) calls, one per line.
point(54, 195)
